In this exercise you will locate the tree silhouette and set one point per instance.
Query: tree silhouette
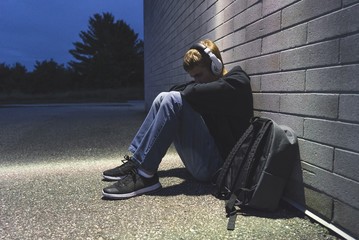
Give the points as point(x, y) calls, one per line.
point(110, 54)
point(49, 76)
point(12, 78)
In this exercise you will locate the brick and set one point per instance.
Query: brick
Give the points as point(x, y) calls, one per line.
point(256, 83)
point(248, 16)
point(229, 12)
point(233, 39)
point(210, 3)
point(240, 36)
point(216, 21)
point(283, 82)
point(239, 6)
point(227, 56)
point(335, 24)
point(339, 78)
point(199, 9)
point(252, 2)
point(346, 164)
point(266, 102)
point(221, 5)
point(317, 154)
point(307, 9)
point(346, 217)
point(219, 43)
point(207, 15)
point(348, 2)
point(270, 6)
point(319, 202)
point(349, 107)
point(247, 50)
point(337, 134)
point(318, 105)
point(289, 38)
point(343, 189)
point(263, 64)
point(349, 50)
point(315, 55)
point(263, 27)
point(225, 28)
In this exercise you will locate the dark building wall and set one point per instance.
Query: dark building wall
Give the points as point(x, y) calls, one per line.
point(303, 59)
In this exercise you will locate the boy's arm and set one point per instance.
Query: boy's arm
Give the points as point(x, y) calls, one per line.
point(180, 87)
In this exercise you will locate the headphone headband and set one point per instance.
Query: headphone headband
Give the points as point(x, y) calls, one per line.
point(199, 46)
point(216, 64)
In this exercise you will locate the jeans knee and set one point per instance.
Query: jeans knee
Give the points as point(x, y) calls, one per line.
point(159, 98)
point(172, 99)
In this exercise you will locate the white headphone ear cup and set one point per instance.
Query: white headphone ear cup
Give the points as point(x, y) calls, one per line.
point(216, 65)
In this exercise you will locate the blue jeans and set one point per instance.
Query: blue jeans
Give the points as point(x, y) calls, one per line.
point(172, 120)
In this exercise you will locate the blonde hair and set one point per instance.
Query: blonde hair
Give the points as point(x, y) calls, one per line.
point(194, 58)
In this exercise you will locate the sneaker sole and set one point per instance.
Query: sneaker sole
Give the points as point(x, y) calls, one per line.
point(152, 188)
point(111, 178)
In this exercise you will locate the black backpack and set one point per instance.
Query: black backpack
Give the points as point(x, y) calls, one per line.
point(256, 170)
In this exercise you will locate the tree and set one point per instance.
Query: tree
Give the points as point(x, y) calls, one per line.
point(12, 78)
point(110, 54)
point(49, 76)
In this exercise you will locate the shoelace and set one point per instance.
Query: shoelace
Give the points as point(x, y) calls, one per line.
point(127, 179)
point(127, 161)
point(133, 171)
point(126, 158)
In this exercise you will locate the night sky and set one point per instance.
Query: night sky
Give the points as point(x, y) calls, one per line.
point(38, 30)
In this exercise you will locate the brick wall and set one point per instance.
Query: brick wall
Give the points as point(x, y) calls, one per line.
point(303, 59)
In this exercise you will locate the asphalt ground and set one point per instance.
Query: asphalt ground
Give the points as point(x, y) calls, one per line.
point(51, 160)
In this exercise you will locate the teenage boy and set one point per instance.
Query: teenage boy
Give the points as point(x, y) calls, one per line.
point(202, 118)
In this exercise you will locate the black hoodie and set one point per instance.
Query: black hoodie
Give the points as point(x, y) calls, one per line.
point(226, 106)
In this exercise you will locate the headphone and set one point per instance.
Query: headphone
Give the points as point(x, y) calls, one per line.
point(216, 64)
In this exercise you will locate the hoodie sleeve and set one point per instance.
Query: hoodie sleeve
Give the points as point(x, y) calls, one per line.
point(180, 87)
point(229, 95)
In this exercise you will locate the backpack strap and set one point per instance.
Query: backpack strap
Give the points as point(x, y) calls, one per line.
point(231, 212)
point(251, 157)
point(224, 169)
point(230, 205)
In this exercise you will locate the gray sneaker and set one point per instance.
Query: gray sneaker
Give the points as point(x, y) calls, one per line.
point(132, 185)
point(121, 171)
